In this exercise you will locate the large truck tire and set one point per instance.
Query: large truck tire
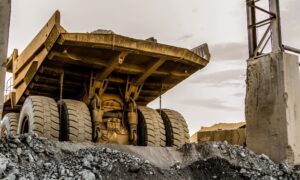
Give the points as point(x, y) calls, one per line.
point(177, 132)
point(151, 130)
point(75, 121)
point(9, 124)
point(39, 115)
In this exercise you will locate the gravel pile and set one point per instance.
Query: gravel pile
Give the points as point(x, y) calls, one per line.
point(28, 157)
point(243, 162)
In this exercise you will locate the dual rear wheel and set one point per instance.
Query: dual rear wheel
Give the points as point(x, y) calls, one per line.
point(163, 127)
point(151, 130)
point(75, 121)
point(177, 132)
point(41, 115)
point(70, 120)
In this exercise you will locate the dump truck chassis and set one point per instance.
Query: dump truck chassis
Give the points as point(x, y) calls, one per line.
point(95, 87)
point(110, 112)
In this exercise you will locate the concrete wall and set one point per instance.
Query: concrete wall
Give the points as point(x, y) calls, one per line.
point(292, 97)
point(4, 29)
point(273, 106)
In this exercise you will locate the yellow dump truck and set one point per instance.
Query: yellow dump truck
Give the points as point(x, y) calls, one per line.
point(95, 87)
point(233, 133)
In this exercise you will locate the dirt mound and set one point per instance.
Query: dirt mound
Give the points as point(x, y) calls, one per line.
point(237, 162)
point(28, 157)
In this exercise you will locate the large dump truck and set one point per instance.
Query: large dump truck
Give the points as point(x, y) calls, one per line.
point(95, 87)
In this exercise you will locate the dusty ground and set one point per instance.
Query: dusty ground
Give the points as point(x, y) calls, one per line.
point(27, 157)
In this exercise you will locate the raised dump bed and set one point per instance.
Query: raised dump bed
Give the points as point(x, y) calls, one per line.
point(95, 87)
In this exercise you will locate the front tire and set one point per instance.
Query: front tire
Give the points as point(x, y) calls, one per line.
point(39, 115)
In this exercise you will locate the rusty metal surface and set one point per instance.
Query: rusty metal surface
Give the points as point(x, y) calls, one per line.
point(157, 67)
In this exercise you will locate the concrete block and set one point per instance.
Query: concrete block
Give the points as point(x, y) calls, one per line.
point(4, 28)
point(273, 107)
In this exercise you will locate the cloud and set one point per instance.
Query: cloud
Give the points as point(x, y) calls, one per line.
point(235, 84)
point(239, 94)
point(213, 103)
point(194, 10)
point(229, 51)
point(185, 37)
point(222, 78)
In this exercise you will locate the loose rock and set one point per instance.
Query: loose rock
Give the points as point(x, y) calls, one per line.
point(28, 157)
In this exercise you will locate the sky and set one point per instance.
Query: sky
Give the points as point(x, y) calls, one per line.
point(212, 95)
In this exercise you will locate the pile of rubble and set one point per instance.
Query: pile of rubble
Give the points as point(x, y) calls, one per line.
point(241, 162)
point(28, 157)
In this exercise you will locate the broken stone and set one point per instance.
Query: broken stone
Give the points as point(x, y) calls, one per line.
point(13, 145)
point(10, 177)
point(242, 171)
point(105, 163)
point(90, 157)
point(86, 163)
point(3, 164)
point(109, 168)
point(263, 156)
point(30, 158)
point(19, 151)
point(108, 150)
point(47, 165)
point(242, 154)
point(87, 175)
point(134, 168)
point(17, 141)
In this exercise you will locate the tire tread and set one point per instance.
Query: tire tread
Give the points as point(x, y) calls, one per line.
point(155, 131)
point(177, 127)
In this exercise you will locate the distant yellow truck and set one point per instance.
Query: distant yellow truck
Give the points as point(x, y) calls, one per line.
point(233, 133)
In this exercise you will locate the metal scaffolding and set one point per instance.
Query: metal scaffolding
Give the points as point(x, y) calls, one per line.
point(272, 32)
point(270, 28)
